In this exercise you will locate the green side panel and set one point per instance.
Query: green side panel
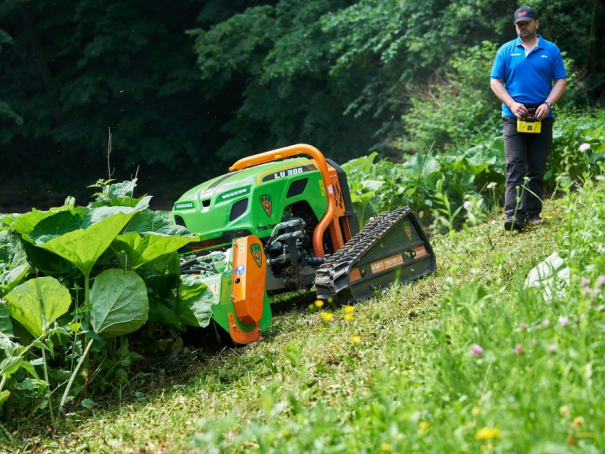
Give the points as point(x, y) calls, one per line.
point(252, 200)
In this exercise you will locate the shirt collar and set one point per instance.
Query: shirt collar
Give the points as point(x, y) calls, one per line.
point(519, 43)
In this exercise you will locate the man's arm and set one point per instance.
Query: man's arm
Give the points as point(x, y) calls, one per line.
point(516, 107)
point(556, 92)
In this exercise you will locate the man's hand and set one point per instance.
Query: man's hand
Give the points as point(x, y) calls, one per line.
point(519, 109)
point(542, 111)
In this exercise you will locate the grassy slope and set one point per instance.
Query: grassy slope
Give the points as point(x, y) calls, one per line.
point(411, 383)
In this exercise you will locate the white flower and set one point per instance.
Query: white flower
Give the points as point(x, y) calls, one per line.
point(468, 205)
point(585, 147)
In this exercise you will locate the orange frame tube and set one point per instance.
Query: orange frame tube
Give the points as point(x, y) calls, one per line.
point(319, 158)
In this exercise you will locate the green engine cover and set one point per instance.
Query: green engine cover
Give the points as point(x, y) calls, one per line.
point(250, 201)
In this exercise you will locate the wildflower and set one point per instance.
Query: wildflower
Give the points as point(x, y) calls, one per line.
point(348, 309)
point(601, 281)
point(348, 316)
point(584, 282)
point(422, 427)
point(552, 348)
point(523, 326)
point(563, 321)
point(468, 205)
point(319, 303)
point(476, 411)
point(585, 147)
point(355, 339)
point(577, 421)
point(564, 410)
point(519, 349)
point(586, 291)
point(477, 350)
point(326, 316)
point(487, 433)
point(491, 185)
point(545, 322)
point(385, 447)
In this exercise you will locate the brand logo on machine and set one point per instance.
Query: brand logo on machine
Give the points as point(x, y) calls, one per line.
point(389, 262)
point(408, 229)
point(257, 255)
point(289, 172)
point(265, 201)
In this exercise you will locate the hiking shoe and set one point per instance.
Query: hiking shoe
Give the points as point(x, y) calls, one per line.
point(534, 219)
point(513, 224)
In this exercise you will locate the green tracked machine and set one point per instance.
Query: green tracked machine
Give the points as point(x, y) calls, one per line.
point(283, 220)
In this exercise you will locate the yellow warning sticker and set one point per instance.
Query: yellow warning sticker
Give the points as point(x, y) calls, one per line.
point(322, 188)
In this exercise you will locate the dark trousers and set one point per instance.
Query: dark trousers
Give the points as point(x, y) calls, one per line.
point(526, 155)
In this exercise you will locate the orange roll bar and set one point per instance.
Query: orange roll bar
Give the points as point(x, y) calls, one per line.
point(294, 150)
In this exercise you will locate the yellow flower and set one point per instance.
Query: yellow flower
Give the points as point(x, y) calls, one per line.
point(326, 316)
point(319, 303)
point(476, 411)
point(356, 339)
point(348, 309)
point(422, 427)
point(348, 316)
point(385, 447)
point(487, 433)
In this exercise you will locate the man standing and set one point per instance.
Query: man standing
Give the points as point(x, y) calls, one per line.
point(528, 76)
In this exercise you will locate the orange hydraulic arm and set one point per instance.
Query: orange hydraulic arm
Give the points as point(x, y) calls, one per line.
point(293, 150)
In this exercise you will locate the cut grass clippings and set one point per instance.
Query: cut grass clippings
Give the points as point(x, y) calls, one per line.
point(466, 360)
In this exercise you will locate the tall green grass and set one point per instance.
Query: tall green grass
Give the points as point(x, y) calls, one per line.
point(469, 359)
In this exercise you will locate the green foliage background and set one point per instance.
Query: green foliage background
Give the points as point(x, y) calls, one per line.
point(187, 88)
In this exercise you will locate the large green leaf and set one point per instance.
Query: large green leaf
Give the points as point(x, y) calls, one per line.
point(142, 248)
point(148, 221)
point(38, 302)
point(11, 249)
point(11, 277)
point(82, 240)
point(6, 326)
point(25, 223)
point(197, 301)
point(119, 303)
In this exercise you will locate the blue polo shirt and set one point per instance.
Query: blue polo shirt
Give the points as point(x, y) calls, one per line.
point(528, 80)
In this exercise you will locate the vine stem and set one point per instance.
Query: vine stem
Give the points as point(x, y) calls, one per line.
point(50, 404)
point(73, 375)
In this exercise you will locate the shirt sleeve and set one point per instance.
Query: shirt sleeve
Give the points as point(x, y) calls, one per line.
point(499, 66)
point(558, 66)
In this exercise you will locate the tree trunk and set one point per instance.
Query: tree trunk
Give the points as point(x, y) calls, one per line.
point(38, 54)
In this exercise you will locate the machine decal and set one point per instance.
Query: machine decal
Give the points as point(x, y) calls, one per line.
point(408, 229)
point(184, 206)
point(385, 264)
point(420, 252)
point(289, 172)
point(257, 255)
point(265, 201)
point(322, 188)
point(240, 270)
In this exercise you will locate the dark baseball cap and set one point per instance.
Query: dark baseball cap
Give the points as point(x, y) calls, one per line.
point(525, 14)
